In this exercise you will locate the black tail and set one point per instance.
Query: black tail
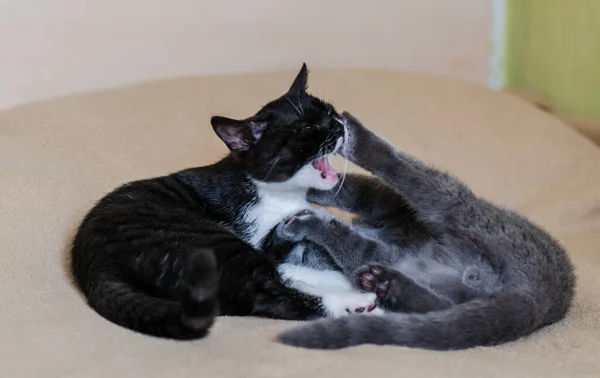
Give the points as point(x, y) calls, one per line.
point(481, 322)
point(127, 306)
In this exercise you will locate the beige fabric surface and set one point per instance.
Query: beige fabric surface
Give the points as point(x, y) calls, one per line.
point(58, 157)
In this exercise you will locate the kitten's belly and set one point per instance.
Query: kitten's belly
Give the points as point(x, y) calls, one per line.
point(426, 271)
point(444, 273)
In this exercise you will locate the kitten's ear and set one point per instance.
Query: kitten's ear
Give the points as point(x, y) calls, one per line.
point(300, 82)
point(238, 135)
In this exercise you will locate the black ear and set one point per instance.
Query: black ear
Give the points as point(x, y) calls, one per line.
point(300, 83)
point(238, 135)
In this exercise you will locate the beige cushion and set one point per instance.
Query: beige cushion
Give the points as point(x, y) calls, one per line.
point(58, 157)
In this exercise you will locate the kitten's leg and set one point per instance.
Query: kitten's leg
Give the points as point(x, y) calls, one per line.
point(337, 295)
point(352, 251)
point(251, 285)
point(248, 282)
point(293, 289)
point(366, 196)
point(348, 247)
point(398, 292)
point(434, 195)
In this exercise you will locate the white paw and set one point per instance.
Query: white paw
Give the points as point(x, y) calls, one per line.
point(342, 304)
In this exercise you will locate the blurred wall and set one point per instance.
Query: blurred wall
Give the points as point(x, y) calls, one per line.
point(55, 47)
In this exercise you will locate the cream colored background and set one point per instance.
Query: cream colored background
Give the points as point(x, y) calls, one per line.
point(54, 47)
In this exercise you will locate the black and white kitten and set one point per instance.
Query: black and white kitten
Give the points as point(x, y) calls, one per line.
point(164, 256)
point(458, 271)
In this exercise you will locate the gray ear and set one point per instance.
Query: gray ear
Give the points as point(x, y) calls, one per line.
point(300, 83)
point(238, 135)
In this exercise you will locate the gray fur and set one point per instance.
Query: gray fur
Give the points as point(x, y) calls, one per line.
point(456, 270)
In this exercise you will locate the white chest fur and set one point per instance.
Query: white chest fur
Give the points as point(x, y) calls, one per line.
point(276, 202)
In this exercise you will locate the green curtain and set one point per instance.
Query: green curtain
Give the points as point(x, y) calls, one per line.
point(553, 50)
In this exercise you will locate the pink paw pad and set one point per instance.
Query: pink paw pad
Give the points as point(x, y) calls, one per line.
point(300, 214)
point(373, 281)
point(360, 310)
point(367, 281)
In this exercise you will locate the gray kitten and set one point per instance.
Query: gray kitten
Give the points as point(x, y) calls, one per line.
point(458, 271)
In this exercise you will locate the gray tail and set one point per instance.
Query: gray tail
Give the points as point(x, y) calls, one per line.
point(481, 322)
point(188, 318)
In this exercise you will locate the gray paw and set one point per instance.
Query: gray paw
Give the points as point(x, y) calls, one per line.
point(358, 135)
point(352, 122)
point(295, 227)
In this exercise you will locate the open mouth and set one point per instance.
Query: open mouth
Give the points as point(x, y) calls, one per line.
point(324, 167)
point(327, 173)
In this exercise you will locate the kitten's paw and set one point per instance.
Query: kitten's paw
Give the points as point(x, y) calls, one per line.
point(341, 304)
point(295, 227)
point(351, 122)
point(301, 215)
point(374, 278)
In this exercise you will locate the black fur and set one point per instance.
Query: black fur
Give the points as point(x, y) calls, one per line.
point(164, 256)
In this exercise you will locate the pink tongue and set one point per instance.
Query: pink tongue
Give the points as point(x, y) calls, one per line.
point(327, 172)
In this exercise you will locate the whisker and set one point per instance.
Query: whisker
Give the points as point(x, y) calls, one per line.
point(321, 153)
point(345, 149)
point(291, 102)
point(275, 161)
point(343, 179)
